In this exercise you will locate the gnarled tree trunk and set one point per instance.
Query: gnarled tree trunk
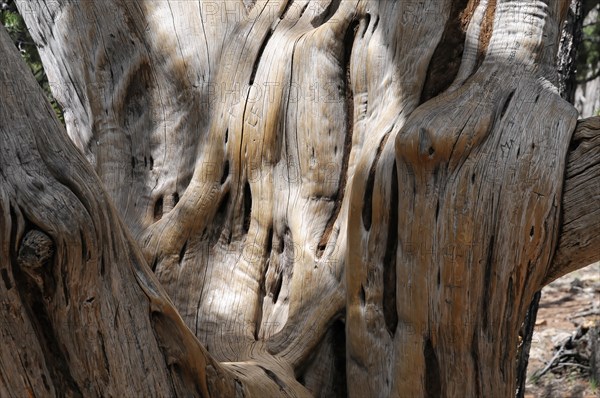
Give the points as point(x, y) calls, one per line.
point(336, 197)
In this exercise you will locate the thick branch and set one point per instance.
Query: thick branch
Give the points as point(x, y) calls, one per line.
point(579, 241)
point(84, 314)
point(247, 204)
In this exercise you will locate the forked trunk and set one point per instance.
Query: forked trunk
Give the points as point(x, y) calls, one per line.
point(336, 197)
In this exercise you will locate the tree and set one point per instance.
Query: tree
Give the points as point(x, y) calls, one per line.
point(334, 197)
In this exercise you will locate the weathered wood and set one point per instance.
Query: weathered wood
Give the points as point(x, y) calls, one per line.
point(81, 329)
point(570, 40)
point(477, 223)
point(286, 168)
point(82, 313)
point(580, 228)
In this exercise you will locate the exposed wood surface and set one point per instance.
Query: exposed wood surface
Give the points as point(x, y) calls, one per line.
point(72, 322)
point(579, 242)
point(82, 314)
point(336, 197)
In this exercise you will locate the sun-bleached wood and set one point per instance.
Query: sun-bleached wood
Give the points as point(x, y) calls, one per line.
point(580, 227)
point(336, 197)
point(84, 315)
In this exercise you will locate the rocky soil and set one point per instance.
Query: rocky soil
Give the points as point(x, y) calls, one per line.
point(562, 346)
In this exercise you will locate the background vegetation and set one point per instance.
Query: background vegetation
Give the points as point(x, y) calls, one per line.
point(13, 22)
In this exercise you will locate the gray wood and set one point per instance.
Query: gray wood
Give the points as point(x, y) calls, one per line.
point(334, 198)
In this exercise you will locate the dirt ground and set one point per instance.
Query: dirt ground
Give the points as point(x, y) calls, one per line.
point(569, 308)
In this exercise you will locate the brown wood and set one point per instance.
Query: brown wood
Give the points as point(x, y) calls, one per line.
point(336, 197)
point(580, 229)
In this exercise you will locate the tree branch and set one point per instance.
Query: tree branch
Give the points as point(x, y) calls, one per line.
point(579, 239)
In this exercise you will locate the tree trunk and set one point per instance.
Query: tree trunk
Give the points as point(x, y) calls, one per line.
point(336, 197)
point(566, 63)
point(570, 41)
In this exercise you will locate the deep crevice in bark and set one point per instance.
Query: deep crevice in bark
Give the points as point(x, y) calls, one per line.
point(446, 59)
point(158, 209)
point(506, 103)
point(85, 252)
point(433, 381)
point(247, 207)
point(217, 226)
point(327, 14)
point(225, 172)
point(55, 360)
point(271, 375)
point(375, 24)
point(573, 146)
point(489, 264)
point(182, 252)
point(259, 55)
point(307, 374)
point(390, 311)
point(286, 8)
point(362, 295)
point(367, 23)
point(570, 42)
point(277, 287)
point(339, 353)
point(367, 209)
point(7, 283)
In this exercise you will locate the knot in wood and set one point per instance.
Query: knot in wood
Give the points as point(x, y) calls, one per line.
point(36, 250)
point(425, 146)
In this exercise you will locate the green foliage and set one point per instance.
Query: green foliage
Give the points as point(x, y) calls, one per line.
point(588, 58)
point(15, 26)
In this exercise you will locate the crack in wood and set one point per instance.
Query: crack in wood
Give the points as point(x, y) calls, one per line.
point(349, 39)
point(390, 312)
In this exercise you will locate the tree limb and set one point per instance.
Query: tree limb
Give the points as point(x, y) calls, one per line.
point(579, 239)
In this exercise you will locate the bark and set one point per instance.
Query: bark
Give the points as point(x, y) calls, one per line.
point(579, 237)
point(336, 197)
point(567, 54)
point(566, 62)
point(82, 315)
point(525, 339)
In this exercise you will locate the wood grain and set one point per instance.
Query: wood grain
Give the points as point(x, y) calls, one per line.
point(286, 198)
